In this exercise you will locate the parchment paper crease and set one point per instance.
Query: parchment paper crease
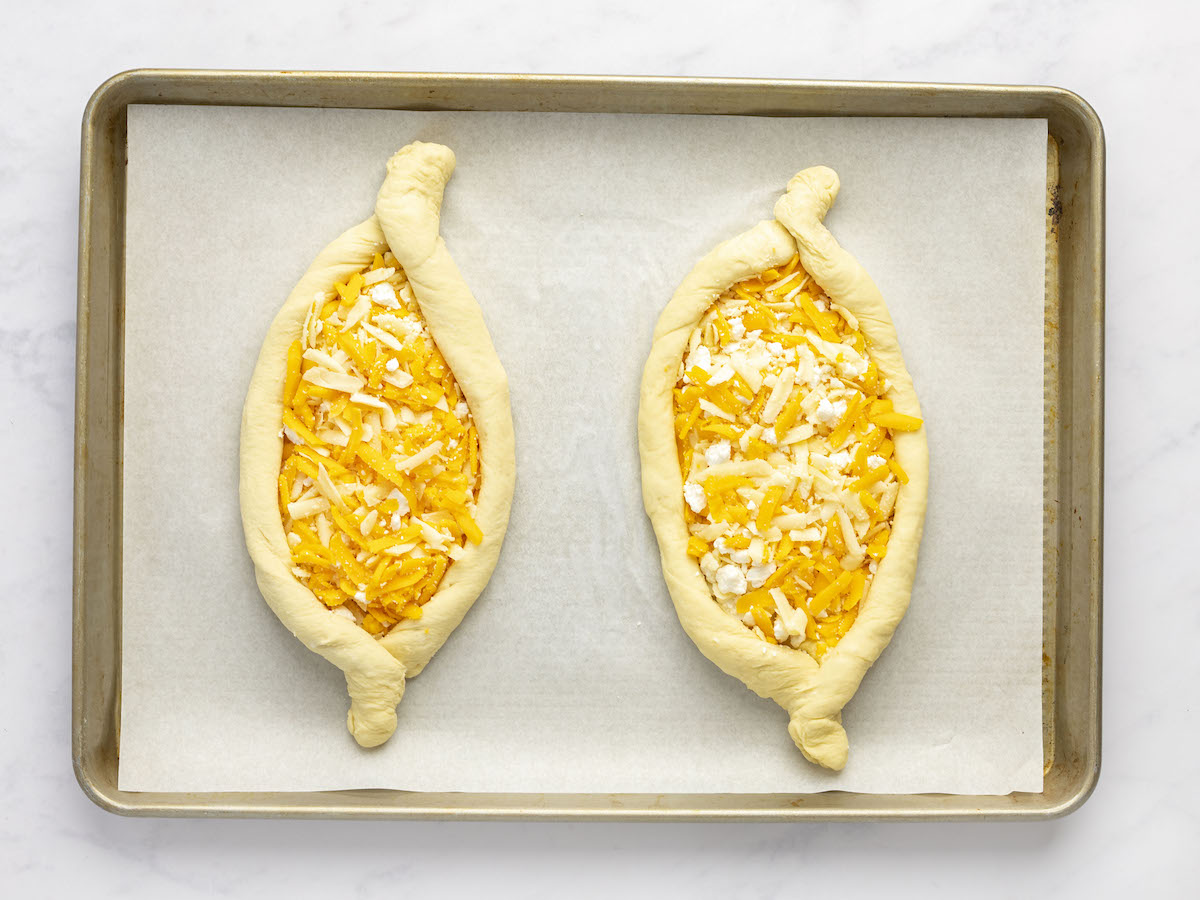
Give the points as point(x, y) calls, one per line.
point(572, 673)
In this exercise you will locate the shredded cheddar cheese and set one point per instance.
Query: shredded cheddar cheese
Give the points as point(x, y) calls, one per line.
point(380, 467)
point(784, 432)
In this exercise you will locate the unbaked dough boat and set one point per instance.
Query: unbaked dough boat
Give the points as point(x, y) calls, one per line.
point(784, 464)
point(377, 460)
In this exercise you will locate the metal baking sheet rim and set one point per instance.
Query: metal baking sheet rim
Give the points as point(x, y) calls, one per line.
point(1074, 427)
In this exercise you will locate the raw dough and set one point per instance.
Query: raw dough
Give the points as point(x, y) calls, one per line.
point(406, 220)
point(812, 693)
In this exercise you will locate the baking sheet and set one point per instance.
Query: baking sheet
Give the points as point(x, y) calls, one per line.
point(572, 674)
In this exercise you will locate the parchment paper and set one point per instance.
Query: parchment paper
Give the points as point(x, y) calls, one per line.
point(572, 673)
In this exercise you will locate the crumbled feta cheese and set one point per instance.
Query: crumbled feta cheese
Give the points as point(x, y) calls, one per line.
point(742, 558)
point(826, 413)
point(854, 368)
point(384, 294)
point(840, 460)
point(875, 461)
point(460, 409)
point(757, 575)
point(731, 580)
point(694, 495)
point(392, 364)
point(701, 359)
point(811, 374)
point(737, 327)
point(781, 633)
point(717, 453)
point(360, 597)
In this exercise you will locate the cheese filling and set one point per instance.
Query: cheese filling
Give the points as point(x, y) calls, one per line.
point(785, 444)
point(380, 468)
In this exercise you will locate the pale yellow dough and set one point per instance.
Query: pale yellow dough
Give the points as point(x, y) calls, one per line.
point(406, 220)
point(812, 693)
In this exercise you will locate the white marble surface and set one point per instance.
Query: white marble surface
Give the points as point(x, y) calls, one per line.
point(1133, 62)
